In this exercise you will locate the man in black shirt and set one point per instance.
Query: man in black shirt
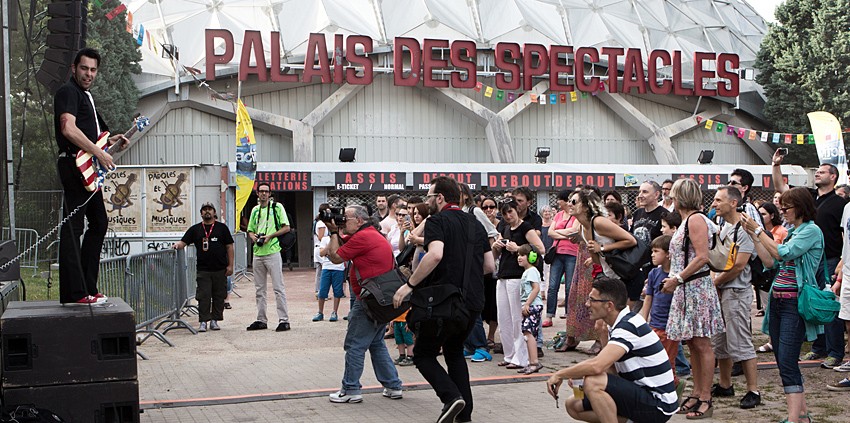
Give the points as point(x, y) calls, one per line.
point(78, 125)
point(523, 196)
point(830, 206)
point(646, 222)
point(449, 249)
point(214, 246)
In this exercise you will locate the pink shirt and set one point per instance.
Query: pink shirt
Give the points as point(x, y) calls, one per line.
point(564, 246)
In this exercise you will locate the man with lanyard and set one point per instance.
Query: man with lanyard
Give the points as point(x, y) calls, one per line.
point(646, 218)
point(447, 244)
point(263, 231)
point(370, 255)
point(77, 125)
point(830, 206)
point(214, 247)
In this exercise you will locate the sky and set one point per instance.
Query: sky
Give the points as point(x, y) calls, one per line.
point(765, 8)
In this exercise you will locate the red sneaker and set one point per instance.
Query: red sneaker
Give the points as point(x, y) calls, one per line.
point(86, 300)
point(100, 298)
point(547, 323)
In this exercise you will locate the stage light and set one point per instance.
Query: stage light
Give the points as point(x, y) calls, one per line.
point(541, 154)
point(705, 156)
point(346, 154)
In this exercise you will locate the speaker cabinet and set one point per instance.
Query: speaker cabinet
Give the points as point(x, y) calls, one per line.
point(103, 402)
point(44, 343)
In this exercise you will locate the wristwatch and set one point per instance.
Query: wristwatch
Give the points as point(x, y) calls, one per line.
point(758, 231)
point(601, 248)
point(678, 278)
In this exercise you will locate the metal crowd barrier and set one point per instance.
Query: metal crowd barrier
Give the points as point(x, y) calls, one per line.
point(240, 256)
point(187, 259)
point(25, 238)
point(154, 285)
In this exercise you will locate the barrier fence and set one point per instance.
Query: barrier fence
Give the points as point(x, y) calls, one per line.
point(159, 286)
point(25, 238)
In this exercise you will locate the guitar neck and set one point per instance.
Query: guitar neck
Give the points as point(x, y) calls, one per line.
point(117, 146)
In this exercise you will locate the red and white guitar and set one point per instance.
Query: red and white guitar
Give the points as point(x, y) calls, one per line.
point(93, 173)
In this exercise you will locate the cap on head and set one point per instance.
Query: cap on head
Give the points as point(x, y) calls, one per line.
point(207, 205)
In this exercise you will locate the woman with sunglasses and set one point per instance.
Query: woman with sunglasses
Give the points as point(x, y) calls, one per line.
point(491, 210)
point(563, 225)
point(797, 259)
point(695, 309)
point(598, 232)
point(516, 232)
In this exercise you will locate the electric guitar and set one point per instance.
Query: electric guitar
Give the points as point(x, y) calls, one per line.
point(93, 173)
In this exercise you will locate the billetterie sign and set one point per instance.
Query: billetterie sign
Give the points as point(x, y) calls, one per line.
point(517, 65)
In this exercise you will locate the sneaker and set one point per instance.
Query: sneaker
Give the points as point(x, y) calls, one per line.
point(392, 393)
point(481, 356)
point(540, 352)
point(830, 363)
point(406, 361)
point(399, 359)
point(341, 397)
point(843, 368)
point(258, 325)
point(547, 323)
point(811, 355)
point(451, 410)
point(318, 317)
point(282, 327)
point(468, 354)
point(227, 305)
point(88, 299)
point(334, 317)
point(100, 298)
point(842, 385)
point(202, 327)
point(719, 391)
point(214, 325)
point(751, 400)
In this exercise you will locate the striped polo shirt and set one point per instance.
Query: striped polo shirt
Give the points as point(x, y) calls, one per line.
point(645, 362)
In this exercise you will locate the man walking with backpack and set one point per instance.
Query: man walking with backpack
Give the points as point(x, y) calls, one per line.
point(454, 240)
point(263, 230)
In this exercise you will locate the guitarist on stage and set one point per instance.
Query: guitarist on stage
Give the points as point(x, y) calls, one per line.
point(78, 126)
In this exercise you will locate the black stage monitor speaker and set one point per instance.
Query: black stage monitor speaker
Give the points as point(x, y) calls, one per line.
point(8, 251)
point(103, 402)
point(45, 343)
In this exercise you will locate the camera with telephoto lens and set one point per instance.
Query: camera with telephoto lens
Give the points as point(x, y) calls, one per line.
point(739, 209)
point(333, 214)
point(261, 240)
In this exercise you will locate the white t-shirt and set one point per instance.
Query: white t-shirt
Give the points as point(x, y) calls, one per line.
point(327, 264)
point(393, 238)
point(845, 252)
point(317, 241)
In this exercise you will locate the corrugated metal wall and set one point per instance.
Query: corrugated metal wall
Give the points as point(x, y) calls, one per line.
point(400, 124)
point(387, 123)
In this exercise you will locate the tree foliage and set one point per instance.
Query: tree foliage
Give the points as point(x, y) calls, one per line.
point(804, 65)
point(114, 91)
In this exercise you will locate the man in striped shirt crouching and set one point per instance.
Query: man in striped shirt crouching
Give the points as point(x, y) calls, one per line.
point(631, 377)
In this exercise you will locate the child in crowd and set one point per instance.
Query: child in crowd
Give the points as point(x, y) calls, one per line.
point(332, 275)
point(656, 306)
point(670, 222)
point(403, 341)
point(532, 305)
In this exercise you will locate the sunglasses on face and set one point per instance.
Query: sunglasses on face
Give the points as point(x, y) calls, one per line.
point(488, 207)
point(733, 183)
point(785, 209)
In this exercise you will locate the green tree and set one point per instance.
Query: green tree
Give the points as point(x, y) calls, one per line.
point(804, 64)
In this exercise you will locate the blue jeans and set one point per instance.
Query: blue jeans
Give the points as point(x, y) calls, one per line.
point(364, 334)
point(831, 342)
point(476, 339)
point(683, 367)
point(564, 265)
point(787, 331)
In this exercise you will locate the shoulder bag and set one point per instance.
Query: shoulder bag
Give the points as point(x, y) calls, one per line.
point(377, 295)
point(626, 263)
point(722, 253)
point(816, 306)
point(443, 302)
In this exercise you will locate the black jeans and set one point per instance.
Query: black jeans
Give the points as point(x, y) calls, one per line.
point(430, 337)
point(79, 266)
point(212, 290)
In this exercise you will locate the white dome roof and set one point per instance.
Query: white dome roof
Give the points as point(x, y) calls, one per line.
point(731, 26)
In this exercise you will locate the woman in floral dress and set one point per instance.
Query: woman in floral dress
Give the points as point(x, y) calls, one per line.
point(695, 310)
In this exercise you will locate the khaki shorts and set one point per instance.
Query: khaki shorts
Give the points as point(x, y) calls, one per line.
point(737, 342)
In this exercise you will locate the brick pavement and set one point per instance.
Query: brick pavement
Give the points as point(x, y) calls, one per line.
point(303, 365)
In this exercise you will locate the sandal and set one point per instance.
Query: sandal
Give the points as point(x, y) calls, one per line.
point(594, 349)
point(699, 415)
point(503, 363)
point(532, 368)
point(567, 347)
point(491, 344)
point(514, 366)
point(685, 408)
point(760, 313)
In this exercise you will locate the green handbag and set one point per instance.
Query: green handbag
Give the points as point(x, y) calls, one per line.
point(817, 306)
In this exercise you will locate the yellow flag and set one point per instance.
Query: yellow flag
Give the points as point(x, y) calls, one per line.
point(488, 92)
point(246, 159)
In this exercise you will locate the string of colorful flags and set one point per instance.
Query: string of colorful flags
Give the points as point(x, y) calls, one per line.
point(552, 98)
point(756, 135)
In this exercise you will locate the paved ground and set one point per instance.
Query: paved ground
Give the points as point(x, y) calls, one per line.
point(237, 376)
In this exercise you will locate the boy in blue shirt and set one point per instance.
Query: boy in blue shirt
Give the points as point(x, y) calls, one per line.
point(656, 306)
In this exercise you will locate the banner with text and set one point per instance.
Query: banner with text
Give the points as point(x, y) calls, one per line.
point(422, 180)
point(287, 181)
point(370, 181)
point(121, 197)
point(510, 180)
point(169, 206)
